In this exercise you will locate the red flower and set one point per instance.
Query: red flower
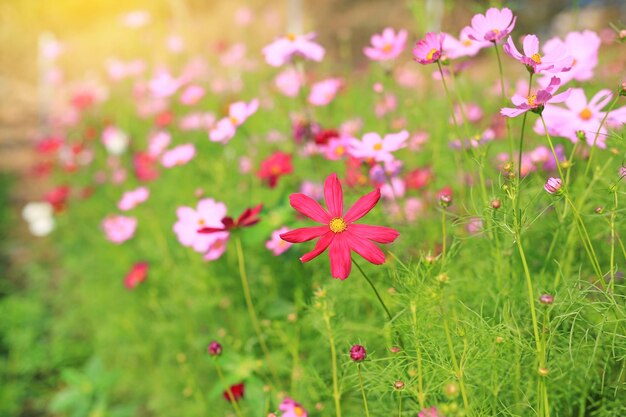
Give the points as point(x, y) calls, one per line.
point(324, 136)
point(58, 197)
point(418, 178)
point(137, 275)
point(249, 217)
point(234, 393)
point(339, 233)
point(49, 145)
point(164, 118)
point(273, 167)
point(145, 167)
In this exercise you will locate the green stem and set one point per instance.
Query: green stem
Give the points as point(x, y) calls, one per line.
point(443, 238)
point(421, 397)
point(249, 304)
point(367, 412)
point(595, 139)
point(333, 353)
point(504, 100)
point(380, 300)
point(229, 393)
point(457, 370)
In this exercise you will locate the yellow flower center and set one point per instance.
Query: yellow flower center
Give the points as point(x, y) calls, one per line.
point(387, 48)
point(531, 99)
point(340, 150)
point(536, 58)
point(585, 114)
point(201, 223)
point(234, 120)
point(291, 37)
point(496, 31)
point(275, 170)
point(431, 54)
point(378, 146)
point(338, 225)
point(467, 42)
point(299, 411)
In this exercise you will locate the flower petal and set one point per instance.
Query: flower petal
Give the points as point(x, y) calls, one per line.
point(365, 248)
point(320, 246)
point(362, 206)
point(340, 259)
point(333, 195)
point(309, 207)
point(378, 234)
point(304, 234)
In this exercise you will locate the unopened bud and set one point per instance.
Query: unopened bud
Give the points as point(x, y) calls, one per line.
point(546, 299)
point(398, 385)
point(495, 204)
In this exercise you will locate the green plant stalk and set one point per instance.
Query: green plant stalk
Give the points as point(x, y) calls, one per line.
point(333, 353)
point(250, 306)
point(518, 178)
point(455, 363)
point(369, 281)
point(595, 139)
point(443, 238)
point(613, 234)
point(503, 92)
point(421, 396)
point(367, 411)
point(399, 403)
point(231, 397)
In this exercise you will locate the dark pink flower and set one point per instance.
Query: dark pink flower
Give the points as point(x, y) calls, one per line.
point(493, 26)
point(428, 50)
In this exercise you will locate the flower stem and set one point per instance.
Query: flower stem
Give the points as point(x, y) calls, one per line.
point(229, 393)
point(421, 397)
point(457, 370)
point(251, 311)
point(333, 353)
point(595, 139)
point(443, 238)
point(503, 92)
point(382, 303)
point(367, 412)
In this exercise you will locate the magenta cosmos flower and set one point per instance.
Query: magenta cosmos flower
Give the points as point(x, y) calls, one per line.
point(536, 101)
point(118, 229)
point(386, 46)
point(290, 408)
point(179, 155)
point(208, 213)
point(556, 59)
point(428, 50)
point(282, 50)
point(493, 26)
point(339, 233)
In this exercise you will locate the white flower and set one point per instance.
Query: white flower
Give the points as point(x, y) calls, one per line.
point(39, 216)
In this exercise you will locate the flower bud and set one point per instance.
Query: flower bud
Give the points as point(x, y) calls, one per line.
point(622, 88)
point(358, 353)
point(553, 186)
point(546, 299)
point(495, 204)
point(214, 349)
point(599, 210)
point(543, 371)
point(398, 385)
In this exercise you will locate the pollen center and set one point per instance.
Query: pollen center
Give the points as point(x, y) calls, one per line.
point(496, 31)
point(585, 114)
point(234, 120)
point(531, 99)
point(378, 146)
point(467, 42)
point(299, 411)
point(340, 150)
point(431, 53)
point(338, 225)
point(536, 58)
point(387, 48)
point(291, 37)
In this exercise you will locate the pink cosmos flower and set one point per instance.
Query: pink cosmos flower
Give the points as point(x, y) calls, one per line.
point(223, 131)
point(429, 49)
point(131, 199)
point(192, 95)
point(536, 101)
point(337, 148)
point(209, 213)
point(583, 48)
point(430, 412)
point(158, 142)
point(338, 230)
point(197, 121)
point(282, 50)
point(464, 46)
point(385, 105)
point(163, 84)
point(290, 408)
point(238, 113)
point(289, 82)
point(276, 244)
point(323, 92)
point(579, 115)
point(179, 155)
point(118, 229)
point(556, 59)
point(378, 148)
point(386, 46)
point(553, 186)
point(493, 26)
point(119, 70)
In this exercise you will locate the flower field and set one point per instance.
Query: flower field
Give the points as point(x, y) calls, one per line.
point(427, 221)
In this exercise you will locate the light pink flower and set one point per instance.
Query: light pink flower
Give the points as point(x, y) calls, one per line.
point(192, 95)
point(175, 44)
point(163, 84)
point(131, 199)
point(323, 92)
point(553, 186)
point(158, 142)
point(238, 113)
point(579, 115)
point(290, 408)
point(493, 26)
point(235, 56)
point(289, 82)
point(536, 101)
point(282, 50)
point(386, 104)
point(337, 148)
point(276, 244)
point(135, 19)
point(583, 48)
point(118, 229)
point(393, 189)
point(223, 131)
point(428, 50)
point(378, 148)
point(386, 46)
point(119, 70)
point(464, 46)
point(179, 155)
point(556, 59)
point(209, 213)
point(197, 121)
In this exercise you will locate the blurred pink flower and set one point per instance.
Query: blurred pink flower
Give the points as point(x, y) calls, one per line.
point(282, 50)
point(535, 101)
point(429, 412)
point(337, 148)
point(245, 165)
point(323, 92)
point(289, 82)
point(276, 244)
point(428, 50)
point(385, 105)
point(378, 148)
point(583, 48)
point(464, 46)
point(179, 155)
point(556, 59)
point(238, 113)
point(197, 121)
point(493, 26)
point(290, 408)
point(158, 142)
point(163, 84)
point(243, 16)
point(175, 44)
point(118, 229)
point(386, 46)
point(209, 213)
point(192, 95)
point(223, 131)
point(413, 208)
point(135, 19)
point(393, 189)
point(131, 199)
